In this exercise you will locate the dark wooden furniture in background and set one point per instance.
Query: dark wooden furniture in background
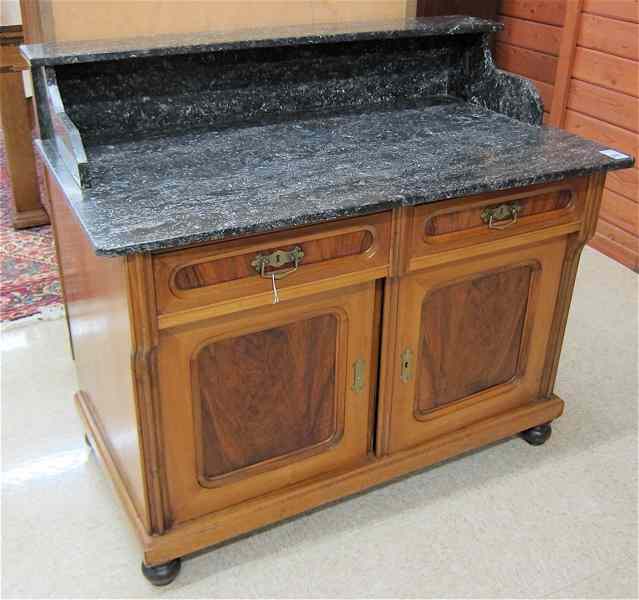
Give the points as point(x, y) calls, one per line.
point(26, 208)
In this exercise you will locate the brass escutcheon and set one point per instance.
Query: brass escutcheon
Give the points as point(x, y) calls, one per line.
point(276, 259)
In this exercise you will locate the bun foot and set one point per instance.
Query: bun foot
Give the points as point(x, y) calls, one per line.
point(164, 573)
point(536, 436)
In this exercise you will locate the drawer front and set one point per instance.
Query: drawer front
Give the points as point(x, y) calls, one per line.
point(489, 219)
point(243, 273)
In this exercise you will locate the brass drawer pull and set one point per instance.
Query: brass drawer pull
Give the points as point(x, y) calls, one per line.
point(276, 259)
point(495, 216)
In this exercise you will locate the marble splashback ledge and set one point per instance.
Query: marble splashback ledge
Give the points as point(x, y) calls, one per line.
point(118, 92)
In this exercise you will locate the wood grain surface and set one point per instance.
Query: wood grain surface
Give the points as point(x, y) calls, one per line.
point(471, 334)
point(267, 394)
point(237, 267)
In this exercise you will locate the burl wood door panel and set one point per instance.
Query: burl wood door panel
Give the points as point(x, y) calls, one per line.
point(249, 413)
point(264, 399)
point(472, 340)
point(471, 336)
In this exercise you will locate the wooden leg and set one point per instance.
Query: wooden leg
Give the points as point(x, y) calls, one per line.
point(27, 211)
point(536, 436)
point(164, 573)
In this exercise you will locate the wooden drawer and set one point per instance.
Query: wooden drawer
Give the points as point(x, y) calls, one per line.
point(482, 223)
point(223, 277)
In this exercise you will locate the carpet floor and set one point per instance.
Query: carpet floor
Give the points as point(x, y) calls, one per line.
point(508, 521)
point(29, 280)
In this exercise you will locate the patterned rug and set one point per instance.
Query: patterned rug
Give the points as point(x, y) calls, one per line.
point(29, 280)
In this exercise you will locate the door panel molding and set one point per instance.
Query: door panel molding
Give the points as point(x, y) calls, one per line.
point(527, 322)
point(408, 428)
point(336, 399)
point(188, 497)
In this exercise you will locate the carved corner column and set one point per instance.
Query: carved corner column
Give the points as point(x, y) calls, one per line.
point(576, 243)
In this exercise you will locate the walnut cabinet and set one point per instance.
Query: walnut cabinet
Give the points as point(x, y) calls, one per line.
point(233, 384)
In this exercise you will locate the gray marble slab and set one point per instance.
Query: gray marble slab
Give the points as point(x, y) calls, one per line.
point(63, 53)
point(170, 191)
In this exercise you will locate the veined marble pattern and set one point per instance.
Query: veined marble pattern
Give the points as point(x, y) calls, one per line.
point(62, 53)
point(170, 191)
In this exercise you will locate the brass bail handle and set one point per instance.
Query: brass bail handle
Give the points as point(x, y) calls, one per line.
point(276, 259)
point(502, 216)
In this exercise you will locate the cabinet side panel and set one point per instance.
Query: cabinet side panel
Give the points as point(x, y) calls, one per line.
point(267, 394)
point(98, 313)
point(471, 336)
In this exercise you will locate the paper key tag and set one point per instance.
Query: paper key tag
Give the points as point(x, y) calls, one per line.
point(614, 154)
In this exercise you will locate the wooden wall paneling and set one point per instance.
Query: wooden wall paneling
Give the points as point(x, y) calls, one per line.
point(618, 220)
point(620, 211)
point(529, 44)
point(597, 96)
point(622, 254)
point(604, 104)
point(551, 12)
point(605, 133)
point(612, 72)
point(531, 35)
point(529, 63)
point(624, 10)
point(617, 235)
point(566, 58)
point(611, 36)
point(624, 182)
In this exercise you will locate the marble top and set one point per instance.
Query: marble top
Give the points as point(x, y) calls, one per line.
point(174, 190)
point(61, 53)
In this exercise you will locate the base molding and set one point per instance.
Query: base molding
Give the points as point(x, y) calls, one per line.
point(236, 520)
point(30, 218)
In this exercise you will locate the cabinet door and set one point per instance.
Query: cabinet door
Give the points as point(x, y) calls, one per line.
point(263, 399)
point(472, 340)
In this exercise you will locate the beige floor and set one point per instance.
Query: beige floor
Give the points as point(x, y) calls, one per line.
point(511, 520)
